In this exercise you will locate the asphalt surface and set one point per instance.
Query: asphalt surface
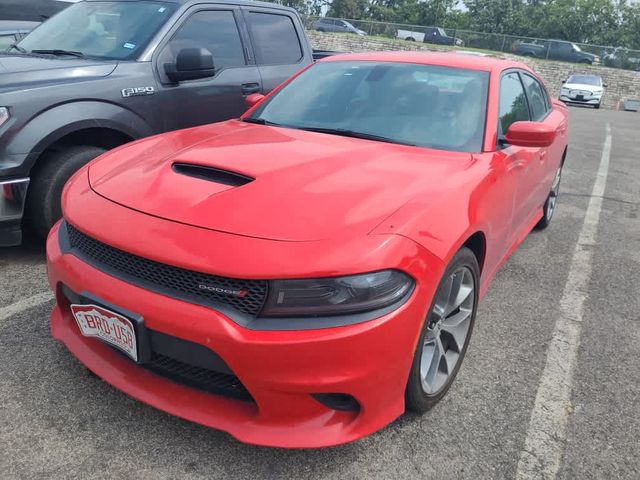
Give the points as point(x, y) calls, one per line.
point(57, 421)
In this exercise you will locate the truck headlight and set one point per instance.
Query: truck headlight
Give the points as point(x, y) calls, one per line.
point(326, 296)
point(4, 115)
point(564, 91)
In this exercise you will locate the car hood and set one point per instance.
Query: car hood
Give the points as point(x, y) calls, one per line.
point(306, 186)
point(29, 71)
point(582, 86)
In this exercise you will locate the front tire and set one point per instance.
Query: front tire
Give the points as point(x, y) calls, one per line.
point(446, 333)
point(43, 204)
point(550, 204)
point(597, 106)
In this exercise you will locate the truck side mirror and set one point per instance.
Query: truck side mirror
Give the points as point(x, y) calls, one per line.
point(191, 64)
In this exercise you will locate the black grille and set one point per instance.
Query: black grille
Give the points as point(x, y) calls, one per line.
point(198, 377)
point(167, 279)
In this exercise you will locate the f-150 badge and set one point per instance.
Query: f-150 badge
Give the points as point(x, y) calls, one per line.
point(136, 91)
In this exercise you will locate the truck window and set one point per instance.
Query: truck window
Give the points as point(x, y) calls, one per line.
point(275, 39)
point(537, 97)
point(6, 41)
point(215, 30)
point(513, 102)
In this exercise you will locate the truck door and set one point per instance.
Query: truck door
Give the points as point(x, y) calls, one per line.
point(222, 96)
point(276, 43)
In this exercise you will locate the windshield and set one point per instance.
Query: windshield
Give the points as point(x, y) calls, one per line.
point(585, 80)
point(422, 105)
point(576, 48)
point(109, 30)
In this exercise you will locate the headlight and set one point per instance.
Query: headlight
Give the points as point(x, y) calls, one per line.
point(336, 295)
point(565, 91)
point(458, 42)
point(4, 115)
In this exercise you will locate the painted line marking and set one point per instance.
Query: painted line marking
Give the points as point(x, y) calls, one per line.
point(546, 436)
point(25, 304)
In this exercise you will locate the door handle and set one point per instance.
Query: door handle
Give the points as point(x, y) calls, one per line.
point(249, 88)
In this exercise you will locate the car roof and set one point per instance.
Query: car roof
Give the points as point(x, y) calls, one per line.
point(444, 59)
point(223, 2)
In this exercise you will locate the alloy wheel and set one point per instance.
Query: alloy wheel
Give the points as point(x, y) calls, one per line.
point(553, 195)
point(447, 331)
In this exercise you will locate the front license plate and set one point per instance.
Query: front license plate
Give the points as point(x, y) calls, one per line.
point(108, 326)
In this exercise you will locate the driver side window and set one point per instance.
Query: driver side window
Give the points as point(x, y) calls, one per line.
point(513, 102)
point(215, 30)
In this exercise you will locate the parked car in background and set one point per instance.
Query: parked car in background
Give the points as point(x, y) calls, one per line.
point(300, 276)
point(12, 31)
point(434, 35)
point(327, 24)
point(555, 50)
point(103, 73)
point(583, 89)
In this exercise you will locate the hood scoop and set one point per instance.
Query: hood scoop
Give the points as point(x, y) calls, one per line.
point(211, 174)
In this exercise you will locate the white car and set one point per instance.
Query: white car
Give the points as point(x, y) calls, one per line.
point(583, 89)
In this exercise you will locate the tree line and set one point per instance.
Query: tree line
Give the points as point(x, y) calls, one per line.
point(601, 22)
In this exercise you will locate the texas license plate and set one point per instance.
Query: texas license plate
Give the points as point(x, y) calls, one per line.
point(108, 326)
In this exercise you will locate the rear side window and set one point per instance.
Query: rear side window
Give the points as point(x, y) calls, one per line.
point(215, 30)
point(513, 102)
point(6, 41)
point(275, 39)
point(538, 100)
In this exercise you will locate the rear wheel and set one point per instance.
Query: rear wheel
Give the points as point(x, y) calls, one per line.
point(43, 204)
point(550, 204)
point(446, 333)
point(410, 39)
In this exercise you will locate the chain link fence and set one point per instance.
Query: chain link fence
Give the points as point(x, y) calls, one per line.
point(615, 57)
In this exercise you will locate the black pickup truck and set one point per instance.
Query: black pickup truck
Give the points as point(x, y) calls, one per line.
point(102, 73)
point(555, 50)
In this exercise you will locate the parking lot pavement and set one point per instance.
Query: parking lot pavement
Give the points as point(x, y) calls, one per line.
point(57, 421)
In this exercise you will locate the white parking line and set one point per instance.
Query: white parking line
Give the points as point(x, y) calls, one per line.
point(546, 436)
point(25, 304)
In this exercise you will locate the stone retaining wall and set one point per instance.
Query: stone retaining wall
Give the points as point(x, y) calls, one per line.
point(622, 84)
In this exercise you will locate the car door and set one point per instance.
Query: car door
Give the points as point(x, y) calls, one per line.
point(276, 43)
point(542, 171)
point(514, 107)
point(220, 30)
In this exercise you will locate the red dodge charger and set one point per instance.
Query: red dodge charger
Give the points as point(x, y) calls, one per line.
point(300, 276)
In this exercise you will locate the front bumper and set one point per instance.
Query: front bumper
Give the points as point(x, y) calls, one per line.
point(13, 195)
point(588, 99)
point(282, 370)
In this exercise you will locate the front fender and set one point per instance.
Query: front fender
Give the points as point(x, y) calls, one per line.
point(52, 124)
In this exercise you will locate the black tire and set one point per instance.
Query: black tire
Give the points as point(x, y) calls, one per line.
point(43, 203)
point(550, 203)
point(410, 39)
point(416, 398)
point(597, 106)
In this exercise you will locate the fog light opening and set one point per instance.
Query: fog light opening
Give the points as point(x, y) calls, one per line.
point(338, 401)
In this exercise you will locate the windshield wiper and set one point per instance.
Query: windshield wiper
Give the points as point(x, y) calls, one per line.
point(58, 52)
point(16, 47)
point(260, 121)
point(353, 134)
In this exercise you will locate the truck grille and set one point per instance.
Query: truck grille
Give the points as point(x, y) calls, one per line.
point(246, 296)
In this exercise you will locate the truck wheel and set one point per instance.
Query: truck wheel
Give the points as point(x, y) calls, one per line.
point(410, 39)
point(43, 203)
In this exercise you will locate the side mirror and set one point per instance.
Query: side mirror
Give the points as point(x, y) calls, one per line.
point(191, 64)
point(253, 99)
point(530, 134)
point(604, 85)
